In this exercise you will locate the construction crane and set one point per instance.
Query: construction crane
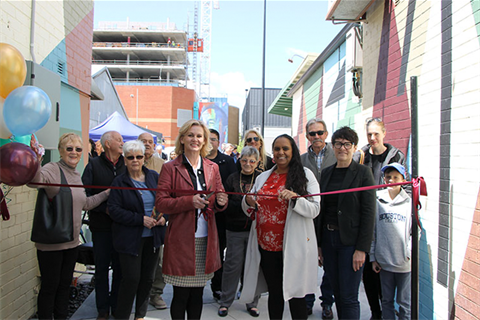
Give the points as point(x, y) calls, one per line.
point(201, 74)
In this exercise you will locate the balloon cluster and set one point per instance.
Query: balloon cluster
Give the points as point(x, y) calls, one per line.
point(23, 111)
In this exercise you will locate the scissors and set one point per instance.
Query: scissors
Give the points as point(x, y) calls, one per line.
point(207, 196)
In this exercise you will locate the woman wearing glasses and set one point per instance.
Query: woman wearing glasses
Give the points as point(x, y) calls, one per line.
point(345, 229)
point(253, 138)
point(191, 253)
point(57, 261)
point(282, 252)
point(238, 228)
point(137, 231)
point(375, 155)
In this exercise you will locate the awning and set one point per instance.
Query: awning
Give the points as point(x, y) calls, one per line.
point(347, 10)
point(282, 105)
point(95, 92)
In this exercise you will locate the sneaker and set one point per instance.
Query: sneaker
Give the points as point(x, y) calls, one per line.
point(327, 312)
point(157, 302)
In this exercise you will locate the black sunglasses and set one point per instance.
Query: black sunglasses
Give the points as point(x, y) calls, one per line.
point(77, 149)
point(139, 157)
point(313, 133)
point(254, 138)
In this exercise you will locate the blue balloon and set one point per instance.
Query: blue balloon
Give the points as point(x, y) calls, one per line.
point(26, 110)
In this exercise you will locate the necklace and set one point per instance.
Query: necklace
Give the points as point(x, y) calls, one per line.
point(251, 182)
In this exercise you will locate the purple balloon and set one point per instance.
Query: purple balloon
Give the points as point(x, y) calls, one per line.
point(18, 164)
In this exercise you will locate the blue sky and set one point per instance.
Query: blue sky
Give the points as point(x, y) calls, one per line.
point(293, 27)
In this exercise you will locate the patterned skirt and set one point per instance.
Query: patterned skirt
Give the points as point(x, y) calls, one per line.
point(200, 279)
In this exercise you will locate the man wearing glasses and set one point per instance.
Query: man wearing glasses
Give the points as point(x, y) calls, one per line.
point(101, 171)
point(226, 166)
point(319, 156)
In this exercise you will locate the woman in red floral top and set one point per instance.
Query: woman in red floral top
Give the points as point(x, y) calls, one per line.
point(284, 232)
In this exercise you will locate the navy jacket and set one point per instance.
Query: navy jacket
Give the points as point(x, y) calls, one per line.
point(127, 211)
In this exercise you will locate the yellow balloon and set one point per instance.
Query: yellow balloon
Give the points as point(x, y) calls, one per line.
point(13, 69)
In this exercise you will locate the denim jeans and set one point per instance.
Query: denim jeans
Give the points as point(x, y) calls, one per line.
point(105, 255)
point(401, 282)
point(338, 264)
point(327, 294)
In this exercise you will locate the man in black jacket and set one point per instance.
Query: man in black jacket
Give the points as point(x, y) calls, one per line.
point(226, 166)
point(101, 171)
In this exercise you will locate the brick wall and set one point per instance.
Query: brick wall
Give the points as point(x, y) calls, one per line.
point(19, 283)
point(157, 107)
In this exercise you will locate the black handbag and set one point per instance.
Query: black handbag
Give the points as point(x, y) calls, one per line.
point(53, 219)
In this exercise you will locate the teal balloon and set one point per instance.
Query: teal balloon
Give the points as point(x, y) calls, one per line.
point(26, 110)
point(22, 139)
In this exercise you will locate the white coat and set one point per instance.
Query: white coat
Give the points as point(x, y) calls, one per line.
point(300, 253)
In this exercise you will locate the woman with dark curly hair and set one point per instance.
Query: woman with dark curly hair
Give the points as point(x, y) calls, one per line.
point(282, 252)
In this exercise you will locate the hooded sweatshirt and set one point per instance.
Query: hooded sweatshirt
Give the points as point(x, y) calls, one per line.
point(391, 246)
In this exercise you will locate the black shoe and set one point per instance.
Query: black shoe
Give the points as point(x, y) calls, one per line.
point(223, 311)
point(327, 312)
point(216, 295)
point(376, 316)
point(253, 313)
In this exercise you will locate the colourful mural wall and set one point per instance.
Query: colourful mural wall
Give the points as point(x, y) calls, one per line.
point(439, 43)
point(215, 115)
point(62, 43)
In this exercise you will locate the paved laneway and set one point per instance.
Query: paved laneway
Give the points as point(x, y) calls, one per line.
point(210, 307)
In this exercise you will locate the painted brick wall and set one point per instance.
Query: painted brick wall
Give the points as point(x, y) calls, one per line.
point(439, 42)
point(157, 107)
point(19, 283)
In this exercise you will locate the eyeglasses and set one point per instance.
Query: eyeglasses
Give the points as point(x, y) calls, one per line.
point(139, 157)
point(213, 139)
point(339, 145)
point(254, 138)
point(313, 133)
point(249, 161)
point(77, 149)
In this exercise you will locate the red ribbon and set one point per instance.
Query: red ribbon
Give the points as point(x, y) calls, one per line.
point(207, 213)
point(419, 188)
point(3, 206)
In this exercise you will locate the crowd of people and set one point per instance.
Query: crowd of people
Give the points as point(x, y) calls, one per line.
point(246, 222)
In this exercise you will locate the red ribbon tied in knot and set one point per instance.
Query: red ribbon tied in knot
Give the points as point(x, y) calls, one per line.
point(251, 212)
point(419, 189)
point(207, 213)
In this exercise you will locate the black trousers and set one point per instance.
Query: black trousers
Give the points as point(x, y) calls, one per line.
point(373, 288)
point(189, 299)
point(137, 278)
point(56, 271)
point(272, 267)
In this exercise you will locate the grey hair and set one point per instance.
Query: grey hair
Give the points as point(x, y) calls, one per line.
point(133, 146)
point(107, 136)
point(313, 121)
point(249, 151)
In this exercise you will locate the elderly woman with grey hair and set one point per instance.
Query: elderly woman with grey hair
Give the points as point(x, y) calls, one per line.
point(137, 231)
point(238, 229)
